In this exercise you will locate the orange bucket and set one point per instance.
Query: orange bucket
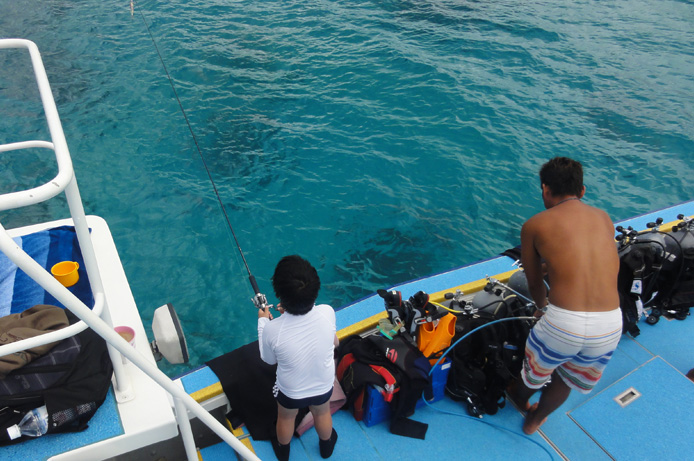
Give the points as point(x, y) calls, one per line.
point(66, 273)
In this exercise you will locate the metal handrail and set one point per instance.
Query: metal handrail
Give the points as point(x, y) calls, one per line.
point(66, 182)
point(40, 193)
point(65, 171)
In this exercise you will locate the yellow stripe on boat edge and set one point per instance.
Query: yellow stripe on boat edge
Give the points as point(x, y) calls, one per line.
point(206, 393)
point(438, 297)
point(470, 287)
point(361, 326)
point(238, 432)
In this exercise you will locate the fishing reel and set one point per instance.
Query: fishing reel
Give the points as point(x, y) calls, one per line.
point(260, 301)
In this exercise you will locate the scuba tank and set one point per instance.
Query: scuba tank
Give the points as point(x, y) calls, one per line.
point(681, 296)
point(484, 363)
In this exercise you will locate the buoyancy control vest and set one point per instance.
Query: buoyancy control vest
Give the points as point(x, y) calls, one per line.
point(656, 273)
point(486, 361)
point(434, 337)
point(395, 367)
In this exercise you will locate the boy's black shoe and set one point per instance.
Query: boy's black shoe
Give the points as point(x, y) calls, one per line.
point(281, 451)
point(327, 446)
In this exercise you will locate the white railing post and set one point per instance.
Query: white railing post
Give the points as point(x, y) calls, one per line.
point(186, 431)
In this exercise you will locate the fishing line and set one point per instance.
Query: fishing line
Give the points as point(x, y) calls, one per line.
point(251, 278)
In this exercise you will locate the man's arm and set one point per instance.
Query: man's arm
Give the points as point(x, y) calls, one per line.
point(532, 264)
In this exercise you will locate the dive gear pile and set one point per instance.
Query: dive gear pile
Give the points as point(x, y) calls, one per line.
point(481, 366)
point(485, 362)
point(409, 314)
point(656, 275)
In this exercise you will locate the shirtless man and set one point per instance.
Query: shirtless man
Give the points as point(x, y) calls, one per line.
point(582, 322)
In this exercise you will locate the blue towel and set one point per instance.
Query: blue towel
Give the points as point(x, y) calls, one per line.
point(18, 292)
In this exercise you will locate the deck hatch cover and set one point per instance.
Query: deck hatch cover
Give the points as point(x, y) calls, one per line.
point(627, 397)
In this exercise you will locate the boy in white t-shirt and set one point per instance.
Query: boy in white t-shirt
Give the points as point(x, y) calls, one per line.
point(301, 342)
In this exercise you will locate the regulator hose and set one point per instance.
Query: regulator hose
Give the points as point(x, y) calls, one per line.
point(508, 319)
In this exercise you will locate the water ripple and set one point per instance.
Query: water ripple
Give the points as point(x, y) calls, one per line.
point(384, 140)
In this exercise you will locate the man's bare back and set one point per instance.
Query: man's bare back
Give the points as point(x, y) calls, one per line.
point(576, 242)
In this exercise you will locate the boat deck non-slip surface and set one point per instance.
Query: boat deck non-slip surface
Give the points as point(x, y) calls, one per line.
point(103, 425)
point(446, 437)
point(655, 425)
point(650, 389)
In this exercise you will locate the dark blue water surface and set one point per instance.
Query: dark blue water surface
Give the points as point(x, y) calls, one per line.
point(382, 140)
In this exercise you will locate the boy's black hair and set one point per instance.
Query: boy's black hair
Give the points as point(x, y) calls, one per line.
point(563, 176)
point(296, 284)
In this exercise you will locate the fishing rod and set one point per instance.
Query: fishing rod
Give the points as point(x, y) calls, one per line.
point(259, 299)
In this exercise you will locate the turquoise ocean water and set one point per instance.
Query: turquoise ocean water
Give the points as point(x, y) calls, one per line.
point(382, 140)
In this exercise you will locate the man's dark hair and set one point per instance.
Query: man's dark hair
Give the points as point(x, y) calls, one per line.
point(563, 176)
point(296, 284)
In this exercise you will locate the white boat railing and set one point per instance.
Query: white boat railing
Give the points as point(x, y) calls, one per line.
point(29, 197)
point(65, 182)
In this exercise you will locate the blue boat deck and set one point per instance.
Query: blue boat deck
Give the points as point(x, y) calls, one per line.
point(589, 426)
